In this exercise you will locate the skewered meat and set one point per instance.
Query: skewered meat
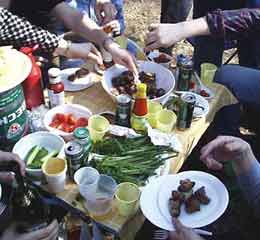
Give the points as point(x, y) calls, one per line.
point(200, 194)
point(192, 204)
point(186, 185)
point(82, 72)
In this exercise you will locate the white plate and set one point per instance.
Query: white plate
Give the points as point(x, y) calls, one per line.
point(77, 85)
point(215, 189)
point(148, 203)
point(18, 68)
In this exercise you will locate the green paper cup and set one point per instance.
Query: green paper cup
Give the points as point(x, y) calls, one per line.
point(153, 109)
point(127, 198)
point(97, 126)
point(207, 74)
point(166, 120)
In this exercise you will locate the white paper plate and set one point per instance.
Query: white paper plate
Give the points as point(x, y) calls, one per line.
point(215, 189)
point(19, 67)
point(149, 205)
point(77, 85)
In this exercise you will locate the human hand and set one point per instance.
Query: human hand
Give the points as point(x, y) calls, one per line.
point(11, 157)
point(182, 233)
point(114, 26)
point(84, 51)
point(122, 57)
point(48, 233)
point(227, 148)
point(105, 11)
point(163, 35)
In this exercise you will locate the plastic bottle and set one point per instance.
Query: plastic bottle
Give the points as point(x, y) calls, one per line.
point(55, 88)
point(32, 86)
point(140, 110)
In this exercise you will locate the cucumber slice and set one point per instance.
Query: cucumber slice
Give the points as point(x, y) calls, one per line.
point(32, 154)
point(53, 153)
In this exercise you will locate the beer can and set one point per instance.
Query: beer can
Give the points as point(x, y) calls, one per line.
point(185, 71)
point(123, 110)
point(74, 152)
point(81, 135)
point(186, 108)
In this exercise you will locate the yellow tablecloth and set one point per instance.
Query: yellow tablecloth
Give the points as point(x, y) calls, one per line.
point(97, 100)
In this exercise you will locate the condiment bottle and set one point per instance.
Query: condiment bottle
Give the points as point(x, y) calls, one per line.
point(55, 88)
point(140, 110)
point(32, 86)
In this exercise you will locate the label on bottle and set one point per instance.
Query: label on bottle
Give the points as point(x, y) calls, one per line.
point(56, 98)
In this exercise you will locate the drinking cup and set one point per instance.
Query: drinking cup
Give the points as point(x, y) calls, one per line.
point(98, 126)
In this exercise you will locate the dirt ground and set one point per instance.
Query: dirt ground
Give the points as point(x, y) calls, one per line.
point(139, 14)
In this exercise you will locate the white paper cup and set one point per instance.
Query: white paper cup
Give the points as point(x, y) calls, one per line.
point(54, 170)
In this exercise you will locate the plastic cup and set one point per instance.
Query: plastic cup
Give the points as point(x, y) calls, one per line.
point(166, 120)
point(127, 198)
point(207, 73)
point(98, 126)
point(86, 179)
point(153, 109)
point(99, 201)
point(54, 170)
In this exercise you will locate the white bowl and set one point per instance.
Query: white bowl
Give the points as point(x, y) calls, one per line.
point(164, 78)
point(77, 110)
point(47, 140)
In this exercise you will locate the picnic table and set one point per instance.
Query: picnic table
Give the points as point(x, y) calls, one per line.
point(97, 100)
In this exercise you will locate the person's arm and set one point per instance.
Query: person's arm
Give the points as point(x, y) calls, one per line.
point(79, 23)
point(85, 27)
point(249, 182)
point(230, 24)
point(245, 165)
point(234, 24)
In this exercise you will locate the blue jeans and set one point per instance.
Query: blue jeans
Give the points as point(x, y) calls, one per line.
point(244, 83)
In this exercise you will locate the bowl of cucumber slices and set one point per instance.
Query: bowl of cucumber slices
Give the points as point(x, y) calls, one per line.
point(36, 148)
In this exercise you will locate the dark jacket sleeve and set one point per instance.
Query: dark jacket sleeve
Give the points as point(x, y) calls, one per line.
point(19, 32)
point(234, 24)
point(249, 183)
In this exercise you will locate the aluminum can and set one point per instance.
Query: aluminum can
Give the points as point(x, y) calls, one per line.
point(74, 152)
point(186, 108)
point(123, 110)
point(185, 71)
point(81, 135)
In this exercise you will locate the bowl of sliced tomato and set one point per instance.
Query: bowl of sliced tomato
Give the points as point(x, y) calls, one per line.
point(64, 119)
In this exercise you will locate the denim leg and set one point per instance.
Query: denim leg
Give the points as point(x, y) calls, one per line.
point(243, 82)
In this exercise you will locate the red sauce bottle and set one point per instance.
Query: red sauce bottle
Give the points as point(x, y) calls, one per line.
point(55, 88)
point(32, 86)
point(140, 109)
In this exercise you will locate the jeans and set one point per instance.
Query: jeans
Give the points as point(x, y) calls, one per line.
point(209, 49)
point(244, 83)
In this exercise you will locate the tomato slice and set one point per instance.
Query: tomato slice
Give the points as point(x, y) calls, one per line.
point(72, 128)
point(55, 123)
point(82, 122)
point(71, 119)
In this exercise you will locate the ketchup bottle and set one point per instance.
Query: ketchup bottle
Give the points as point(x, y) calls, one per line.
point(32, 86)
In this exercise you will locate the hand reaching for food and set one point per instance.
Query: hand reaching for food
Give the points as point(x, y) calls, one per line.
point(163, 35)
point(227, 148)
point(182, 233)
